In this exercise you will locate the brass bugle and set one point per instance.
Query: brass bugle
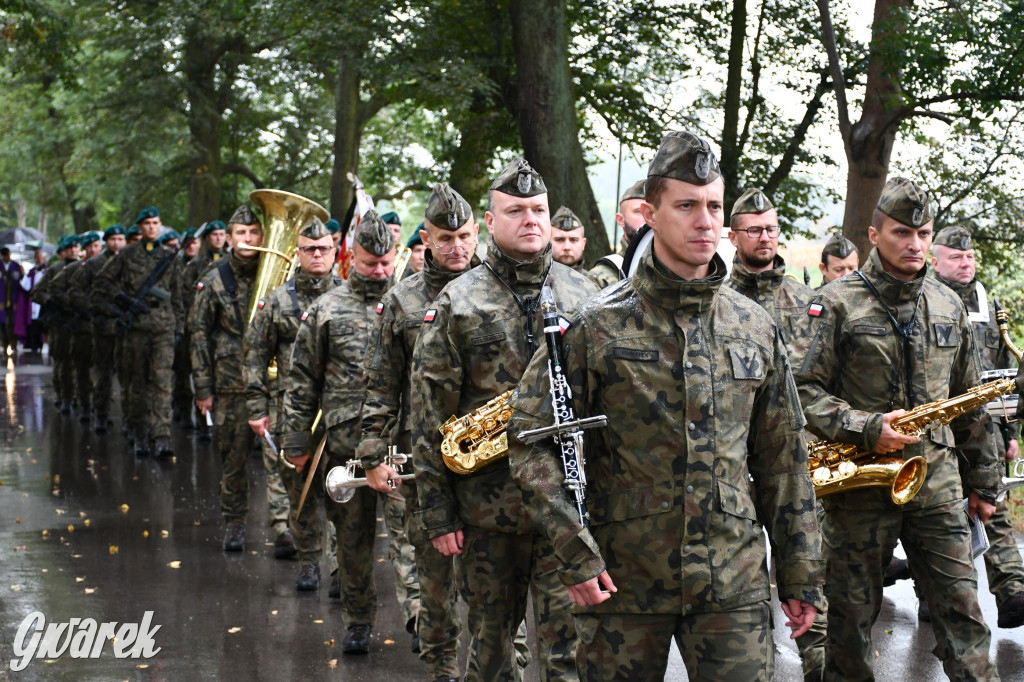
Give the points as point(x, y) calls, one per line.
point(341, 482)
point(1014, 480)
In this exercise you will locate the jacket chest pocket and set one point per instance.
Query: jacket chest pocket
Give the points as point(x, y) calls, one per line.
point(992, 339)
point(490, 346)
point(288, 326)
point(944, 345)
point(740, 374)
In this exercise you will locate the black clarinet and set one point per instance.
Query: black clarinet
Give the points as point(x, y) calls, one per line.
point(567, 430)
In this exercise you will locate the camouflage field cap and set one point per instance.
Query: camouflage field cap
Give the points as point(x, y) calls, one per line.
point(904, 201)
point(115, 229)
point(635, 191)
point(90, 237)
point(446, 208)
point(684, 156)
point(315, 229)
point(838, 246)
point(148, 212)
point(373, 234)
point(518, 179)
point(215, 225)
point(333, 226)
point(955, 237)
point(752, 201)
point(243, 215)
point(564, 219)
point(391, 218)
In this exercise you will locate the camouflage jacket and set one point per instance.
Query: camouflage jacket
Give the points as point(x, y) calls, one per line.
point(386, 418)
point(326, 369)
point(474, 346)
point(41, 293)
point(82, 279)
point(784, 298)
point(192, 272)
point(605, 272)
point(703, 446)
point(270, 337)
point(127, 272)
point(854, 372)
point(216, 326)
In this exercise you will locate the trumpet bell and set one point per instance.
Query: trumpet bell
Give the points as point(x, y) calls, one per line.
point(341, 485)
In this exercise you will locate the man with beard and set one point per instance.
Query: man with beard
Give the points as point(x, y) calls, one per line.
point(567, 240)
point(630, 219)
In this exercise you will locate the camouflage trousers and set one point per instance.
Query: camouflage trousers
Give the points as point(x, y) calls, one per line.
point(308, 527)
point(729, 645)
point(63, 369)
point(811, 644)
point(181, 395)
point(233, 439)
point(859, 534)
point(278, 503)
point(103, 374)
point(81, 358)
point(1002, 561)
point(499, 572)
point(148, 357)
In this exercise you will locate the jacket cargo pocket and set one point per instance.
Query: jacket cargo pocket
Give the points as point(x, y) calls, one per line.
point(737, 552)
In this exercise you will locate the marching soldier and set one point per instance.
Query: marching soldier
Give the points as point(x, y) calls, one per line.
point(104, 331)
point(451, 235)
point(838, 259)
point(269, 339)
point(133, 234)
point(954, 265)
point(681, 478)
point(217, 325)
point(476, 340)
point(149, 345)
point(326, 374)
point(567, 240)
point(608, 269)
point(44, 294)
point(885, 340)
point(182, 396)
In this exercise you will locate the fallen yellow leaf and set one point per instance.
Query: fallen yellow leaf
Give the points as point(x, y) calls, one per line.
point(87, 523)
point(332, 664)
point(318, 621)
point(389, 641)
point(113, 550)
point(90, 590)
point(17, 520)
point(71, 528)
point(56, 479)
point(142, 666)
point(175, 564)
point(124, 508)
point(145, 533)
point(164, 533)
point(79, 579)
point(234, 630)
point(274, 612)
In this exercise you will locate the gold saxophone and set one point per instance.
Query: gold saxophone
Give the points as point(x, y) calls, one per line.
point(836, 467)
point(474, 441)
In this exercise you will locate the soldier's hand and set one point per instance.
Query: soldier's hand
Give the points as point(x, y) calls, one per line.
point(891, 440)
point(205, 405)
point(378, 477)
point(589, 593)
point(801, 616)
point(979, 508)
point(260, 426)
point(298, 460)
point(1012, 451)
point(448, 544)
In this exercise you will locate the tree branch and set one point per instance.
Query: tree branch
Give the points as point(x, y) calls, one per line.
point(398, 194)
point(782, 171)
point(828, 39)
point(238, 169)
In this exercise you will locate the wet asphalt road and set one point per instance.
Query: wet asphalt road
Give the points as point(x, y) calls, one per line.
point(89, 531)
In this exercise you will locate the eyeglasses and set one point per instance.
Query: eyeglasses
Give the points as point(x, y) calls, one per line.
point(756, 230)
point(449, 247)
point(310, 250)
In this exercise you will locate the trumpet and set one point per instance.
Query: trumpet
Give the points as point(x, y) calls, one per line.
point(1014, 480)
point(341, 482)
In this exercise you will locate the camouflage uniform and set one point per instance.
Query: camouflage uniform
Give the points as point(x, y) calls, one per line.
point(149, 345)
point(386, 419)
point(59, 340)
point(607, 271)
point(270, 338)
point(474, 345)
point(103, 333)
point(325, 373)
point(79, 326)
point(217, 324)
point(852, 374)
point(680, 480)
point(191, 273)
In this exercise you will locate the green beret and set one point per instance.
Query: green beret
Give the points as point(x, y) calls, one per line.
point(838, 246)
point(243, 215)
point(752, 201)
point(373, 235)
point(905, 202)
point(64, 243)
point(564, 219)
point(446, 209)
point(684, 156)
point(190, 232)
point(215, 225)
point(75, 239)
point(333, 226)
point(955, 237)
point(415, 240)
point(315, 229)
point(115, 229)
point(89, 237)
point(518, 179)
point(168, 236)
point(635, 191)
point(148, 212)
point(132, 231)
point(391, 218)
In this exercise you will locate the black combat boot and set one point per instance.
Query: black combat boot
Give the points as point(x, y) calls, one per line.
point(334, 592)
point(234, 538)
point(162, 447)
point(308, 579)
point(1011, 612)
point(101, 425)
point(357, 640)
point(284, 546)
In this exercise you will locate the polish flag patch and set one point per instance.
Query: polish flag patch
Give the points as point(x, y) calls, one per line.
point(563, 324)
point(260, 304)
point(199, 286)
point(305, 315)
point(380, 307)
point(431, 314)
point(815, 310)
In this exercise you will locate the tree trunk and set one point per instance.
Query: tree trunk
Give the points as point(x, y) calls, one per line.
point(348, 131)
point(546, 112)
point(42, 220)
point(204, 124)
point(472, 158)
point(729, 162)
point(869, 148)
point(21, 211)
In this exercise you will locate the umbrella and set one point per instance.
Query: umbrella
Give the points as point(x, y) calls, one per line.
point(17, 235)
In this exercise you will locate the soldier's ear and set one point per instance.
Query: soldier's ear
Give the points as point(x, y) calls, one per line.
point(873, 235)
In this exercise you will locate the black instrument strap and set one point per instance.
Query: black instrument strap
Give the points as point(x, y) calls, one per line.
point(227, 276)
point(528, 306)
point(904, 330)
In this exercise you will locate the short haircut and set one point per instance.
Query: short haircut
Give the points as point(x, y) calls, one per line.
point(5, 251)
point(654, 188)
